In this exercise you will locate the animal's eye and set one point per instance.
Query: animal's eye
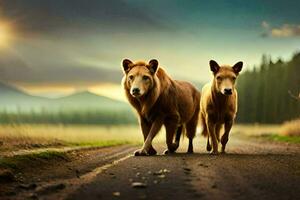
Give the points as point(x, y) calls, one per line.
point(233, 78)
point(219, 78)
point(131, 77)
point(145, 78)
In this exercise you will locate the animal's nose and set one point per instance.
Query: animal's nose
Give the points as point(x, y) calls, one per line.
point(228, 91)
point(135, 91)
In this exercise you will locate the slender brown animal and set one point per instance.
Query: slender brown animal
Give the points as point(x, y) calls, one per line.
point(218, 104)
point(160, 100)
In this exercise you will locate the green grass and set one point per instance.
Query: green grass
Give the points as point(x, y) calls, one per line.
point(16, 161)
point(282, 138)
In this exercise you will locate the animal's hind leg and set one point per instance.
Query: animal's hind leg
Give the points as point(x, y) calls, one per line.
point(191, 127)
point(177, 136)
point(170, 132)
point(211, 129)
point(205, 132)
point(217, 131)
point(203, 124)
point(224, 139)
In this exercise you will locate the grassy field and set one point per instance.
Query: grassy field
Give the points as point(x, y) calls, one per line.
point(282, 138)
point(256, 129)
point(269, 132)
point(33, 136)
point(27, 136)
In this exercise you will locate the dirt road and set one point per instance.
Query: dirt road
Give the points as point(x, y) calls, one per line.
point(252, 169)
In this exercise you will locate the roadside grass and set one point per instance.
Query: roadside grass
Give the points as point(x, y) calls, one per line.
point(23, 145)
point(266, 132)
point(15, 137)
point(16, 161)
point(255, 129)
point(282, 138)
point(291, 128)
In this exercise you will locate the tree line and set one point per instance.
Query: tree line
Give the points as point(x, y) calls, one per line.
point(266, 93)
point(100, 117)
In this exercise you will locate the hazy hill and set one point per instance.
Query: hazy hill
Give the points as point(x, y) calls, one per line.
point(88, 100)
point(13, 99)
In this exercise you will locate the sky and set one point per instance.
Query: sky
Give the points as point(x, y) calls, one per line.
point(56, 47)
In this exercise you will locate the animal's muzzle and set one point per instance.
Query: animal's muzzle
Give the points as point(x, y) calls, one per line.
point(227, 91)
point(135, 91)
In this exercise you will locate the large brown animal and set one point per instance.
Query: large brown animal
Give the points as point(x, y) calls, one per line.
point(160, 100)
point(218, 104)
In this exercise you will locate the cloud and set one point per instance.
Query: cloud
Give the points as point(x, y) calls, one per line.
point(266, 29)
point(265, 24)
point(283, 31)
point(70, 75)
point(286, 30)
point(15, 70)
point(76, 16)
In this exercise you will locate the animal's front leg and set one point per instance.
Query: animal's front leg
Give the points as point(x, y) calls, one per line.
point(211, 130)
point(146, 126)
point(224, 139)
point(156, 126)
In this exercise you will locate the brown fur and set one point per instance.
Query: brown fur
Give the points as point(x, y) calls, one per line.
point(218, 104)
point(164, 101)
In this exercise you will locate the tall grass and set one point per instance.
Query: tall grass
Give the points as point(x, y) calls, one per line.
point(291, 128)
point(24, 136)
point(255, 129)
point(70, 133)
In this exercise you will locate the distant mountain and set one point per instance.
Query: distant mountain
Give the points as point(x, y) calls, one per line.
point(12, 99)
point(8, 89)
point(88, 100)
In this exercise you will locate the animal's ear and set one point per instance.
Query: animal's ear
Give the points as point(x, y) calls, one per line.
point(153, 66)
point(237, 67)
point(214, 66)
point(126, 65)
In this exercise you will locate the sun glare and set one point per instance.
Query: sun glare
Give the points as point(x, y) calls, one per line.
point(5, 34)
point(114, 91)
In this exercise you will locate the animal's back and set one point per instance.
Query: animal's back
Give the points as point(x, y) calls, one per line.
point(188, 99)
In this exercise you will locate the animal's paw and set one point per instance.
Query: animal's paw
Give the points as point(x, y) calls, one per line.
point(152, 151)
point(140, 152)
point(223, 149)
point(167, 151)
point(214, 153)
point(190, 151)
